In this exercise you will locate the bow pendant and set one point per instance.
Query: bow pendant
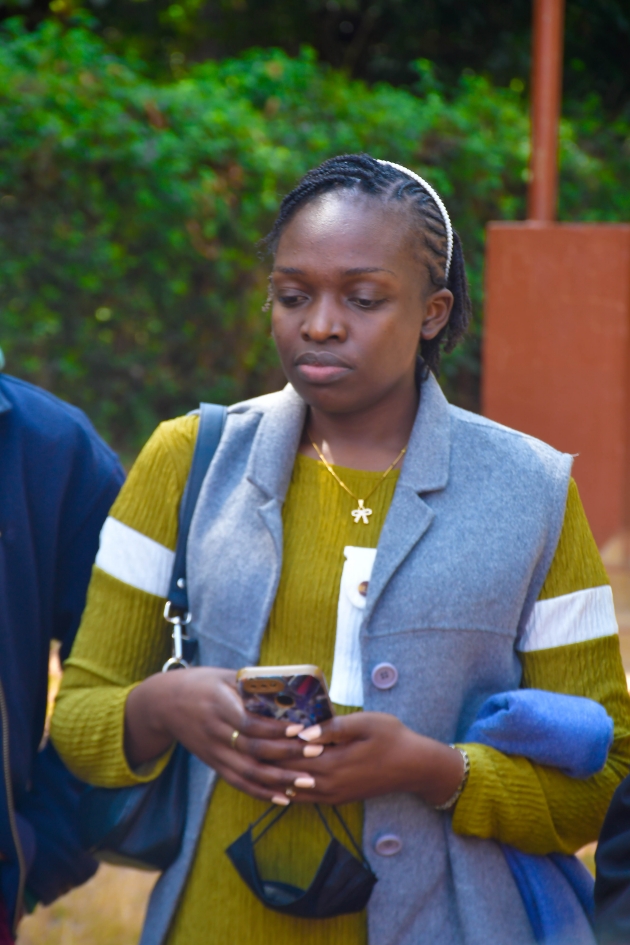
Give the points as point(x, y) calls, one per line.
point(361, 514)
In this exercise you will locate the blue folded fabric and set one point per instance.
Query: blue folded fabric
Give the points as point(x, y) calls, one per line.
point(566, 732)
point(557, 892)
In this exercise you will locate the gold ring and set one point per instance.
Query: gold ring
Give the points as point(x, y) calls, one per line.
point(290, 792)
point(233, 738)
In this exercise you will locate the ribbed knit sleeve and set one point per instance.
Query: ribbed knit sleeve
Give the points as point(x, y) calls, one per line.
point(570, 645)
point(123, 637)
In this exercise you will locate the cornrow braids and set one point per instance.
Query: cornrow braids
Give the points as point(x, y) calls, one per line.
point(384, 181)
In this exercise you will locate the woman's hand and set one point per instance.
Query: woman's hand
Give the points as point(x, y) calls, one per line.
point(201, 708)
point(372, 753)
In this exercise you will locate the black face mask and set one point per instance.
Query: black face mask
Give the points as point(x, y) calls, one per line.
point(341, 884)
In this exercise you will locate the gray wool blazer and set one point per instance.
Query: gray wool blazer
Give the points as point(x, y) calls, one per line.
point(464, 551)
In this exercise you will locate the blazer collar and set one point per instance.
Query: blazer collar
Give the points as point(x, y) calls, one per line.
point(276, 443)
point(427, 461)
point(426, 465)
point(425, 469)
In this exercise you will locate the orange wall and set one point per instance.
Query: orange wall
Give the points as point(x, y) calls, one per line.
point(556, 350)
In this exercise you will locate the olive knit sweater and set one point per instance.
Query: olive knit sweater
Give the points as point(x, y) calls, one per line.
point(123, 639)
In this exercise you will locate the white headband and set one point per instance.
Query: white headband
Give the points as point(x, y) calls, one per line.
point(440, 206)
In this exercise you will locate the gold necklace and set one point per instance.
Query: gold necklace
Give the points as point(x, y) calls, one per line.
point(361, 514)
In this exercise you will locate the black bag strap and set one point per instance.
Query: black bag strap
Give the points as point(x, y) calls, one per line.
point(176, 612)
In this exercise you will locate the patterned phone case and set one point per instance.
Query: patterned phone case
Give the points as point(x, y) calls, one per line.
point(294, 697)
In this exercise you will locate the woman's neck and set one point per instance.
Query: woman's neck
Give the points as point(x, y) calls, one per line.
point(369, 438)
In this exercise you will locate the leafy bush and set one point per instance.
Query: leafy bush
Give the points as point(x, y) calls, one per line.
point(131, 211)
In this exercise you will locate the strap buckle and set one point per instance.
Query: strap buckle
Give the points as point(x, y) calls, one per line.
point(177, 621)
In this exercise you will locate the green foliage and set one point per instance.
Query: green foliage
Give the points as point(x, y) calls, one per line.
point(130, 212)
point(371, 39)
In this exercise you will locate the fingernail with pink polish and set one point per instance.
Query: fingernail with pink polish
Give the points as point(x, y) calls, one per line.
point(312, 751)
point(280, 799)
point(292, 730)
point(306, 782)
point(310, 734)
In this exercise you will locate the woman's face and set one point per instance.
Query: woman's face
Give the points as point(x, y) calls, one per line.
point(351, 299)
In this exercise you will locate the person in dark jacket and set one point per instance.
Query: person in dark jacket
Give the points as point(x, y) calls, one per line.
point(612, 880)
point(57, 482)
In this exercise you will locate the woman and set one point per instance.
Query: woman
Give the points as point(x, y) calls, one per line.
point(353, 507)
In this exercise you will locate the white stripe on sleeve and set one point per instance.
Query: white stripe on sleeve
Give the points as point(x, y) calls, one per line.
point(133, 558)
point(570, 618)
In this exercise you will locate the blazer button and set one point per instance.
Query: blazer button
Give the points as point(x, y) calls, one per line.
point(384, 676)
point(388, 844)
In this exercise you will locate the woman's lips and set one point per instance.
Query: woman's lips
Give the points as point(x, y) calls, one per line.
point(321, 373)
point(321, 368)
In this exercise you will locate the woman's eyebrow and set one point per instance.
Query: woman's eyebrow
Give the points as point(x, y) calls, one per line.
point(357, 271)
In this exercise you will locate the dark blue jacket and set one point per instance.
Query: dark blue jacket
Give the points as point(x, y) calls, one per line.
point(612, 881)
point(57, 483)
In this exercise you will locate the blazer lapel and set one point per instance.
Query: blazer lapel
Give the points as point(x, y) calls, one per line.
point(425, 470)
point(241, 545)
point(275, 444)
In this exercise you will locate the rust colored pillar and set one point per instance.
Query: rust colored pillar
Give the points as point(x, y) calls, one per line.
point(556, 356)
point(547, 49)
point(556, 359)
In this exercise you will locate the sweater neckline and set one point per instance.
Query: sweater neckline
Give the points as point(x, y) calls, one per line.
point(309, 464)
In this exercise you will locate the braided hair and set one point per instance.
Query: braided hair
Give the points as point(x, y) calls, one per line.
point(364, 174)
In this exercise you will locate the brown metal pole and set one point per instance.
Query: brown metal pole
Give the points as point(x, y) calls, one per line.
point(547, 50)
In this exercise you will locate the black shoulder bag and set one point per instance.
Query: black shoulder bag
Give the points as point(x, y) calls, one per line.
point(143, 826)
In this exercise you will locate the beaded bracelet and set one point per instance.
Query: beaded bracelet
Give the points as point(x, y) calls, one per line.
point(462, 784)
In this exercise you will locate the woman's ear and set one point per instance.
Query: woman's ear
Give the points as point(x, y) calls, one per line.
point(437, 313)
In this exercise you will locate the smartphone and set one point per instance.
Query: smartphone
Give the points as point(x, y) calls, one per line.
point(290, 693)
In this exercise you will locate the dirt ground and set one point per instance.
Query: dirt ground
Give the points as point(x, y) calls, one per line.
point(106, 911)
